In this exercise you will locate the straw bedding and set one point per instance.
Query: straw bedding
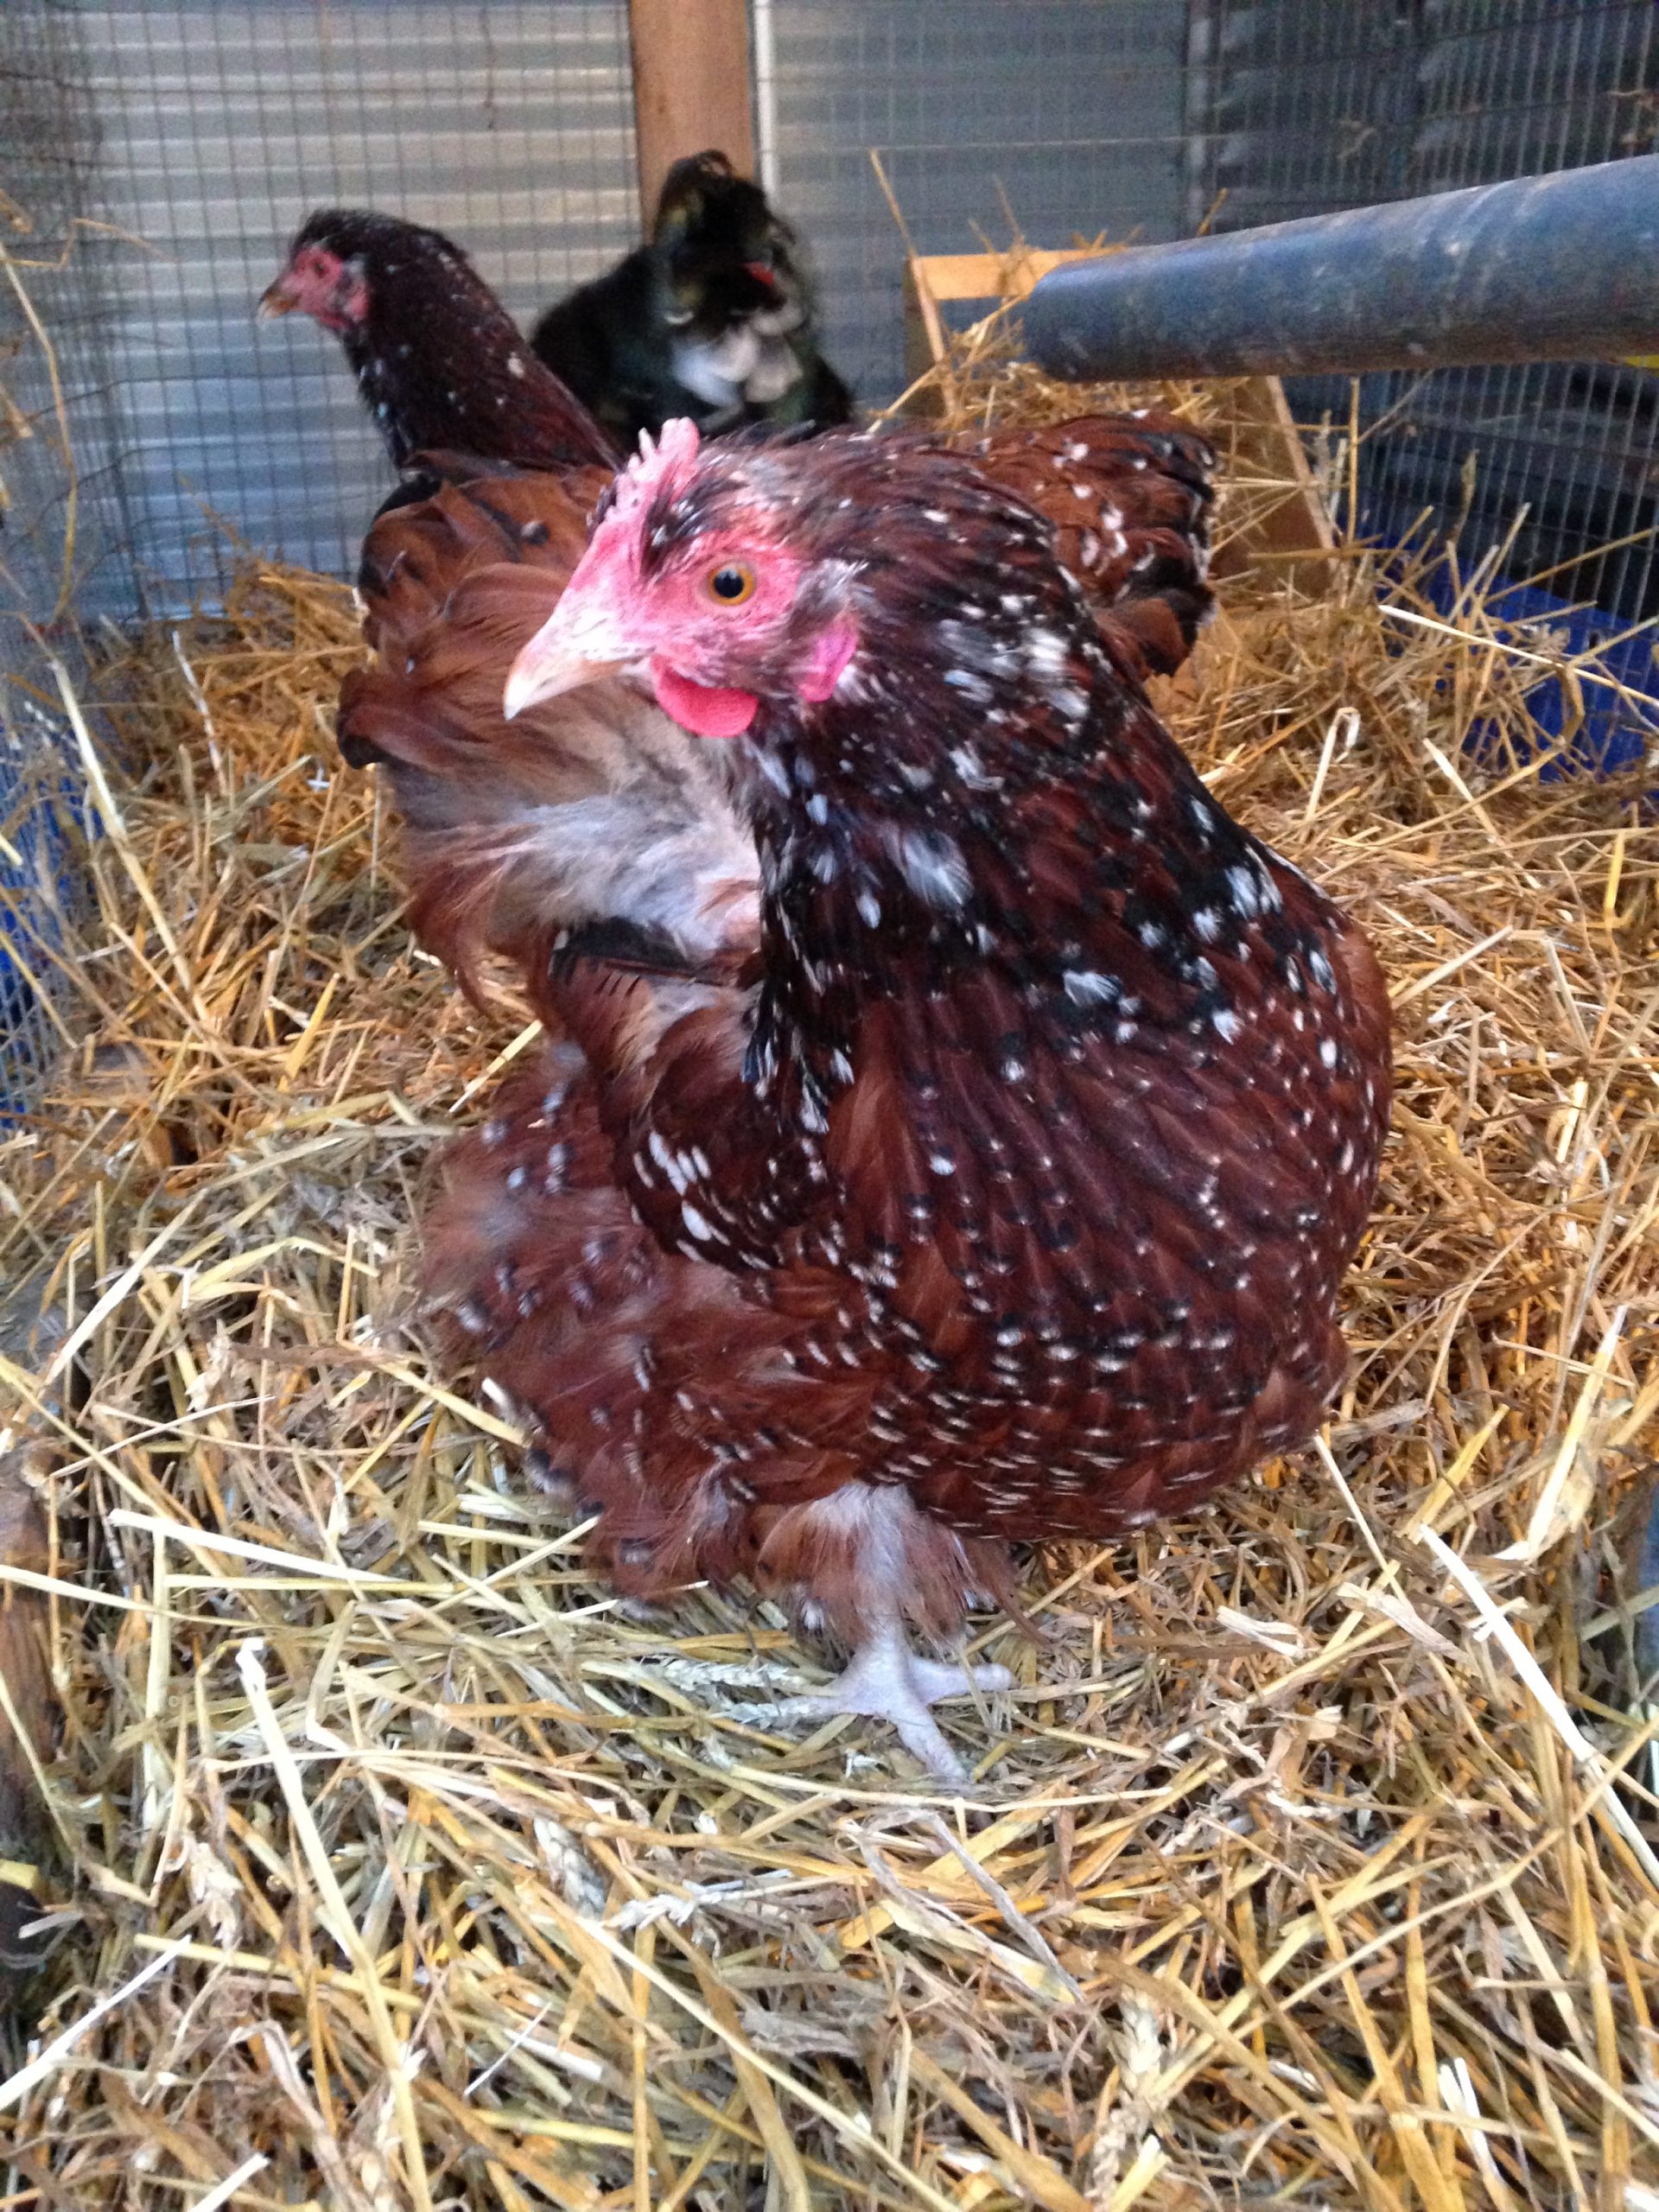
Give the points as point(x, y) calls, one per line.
point(1311, 1861)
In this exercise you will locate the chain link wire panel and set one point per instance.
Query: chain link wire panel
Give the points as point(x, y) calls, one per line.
point(1304, 106)
point(219, 124)
point(53, 370)
point(157, 158)
point(1064, 116)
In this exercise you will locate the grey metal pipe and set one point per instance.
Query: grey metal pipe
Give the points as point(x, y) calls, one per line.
point(1542, 269)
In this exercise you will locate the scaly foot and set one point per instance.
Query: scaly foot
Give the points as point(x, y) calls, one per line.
point(889, 1681)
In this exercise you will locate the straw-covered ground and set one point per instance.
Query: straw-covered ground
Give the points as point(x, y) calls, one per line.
point(394, 1864)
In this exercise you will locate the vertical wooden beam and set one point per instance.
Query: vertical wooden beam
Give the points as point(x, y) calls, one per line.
point(690, 85)
point(924, 344)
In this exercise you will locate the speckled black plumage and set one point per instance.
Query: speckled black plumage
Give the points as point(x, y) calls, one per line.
point(438, 360)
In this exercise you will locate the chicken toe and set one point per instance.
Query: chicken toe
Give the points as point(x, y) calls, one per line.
point(887, 1681)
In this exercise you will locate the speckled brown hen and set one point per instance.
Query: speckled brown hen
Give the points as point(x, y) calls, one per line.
point(1014, 1200)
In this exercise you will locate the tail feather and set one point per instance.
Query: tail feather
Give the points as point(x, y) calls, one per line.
point(1129, 497)
point(453, 515)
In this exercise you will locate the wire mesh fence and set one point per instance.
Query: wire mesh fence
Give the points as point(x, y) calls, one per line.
point(1307, 104)
point(217, 127)
point(1063, 118)
point(54, 370)
point(159, 155)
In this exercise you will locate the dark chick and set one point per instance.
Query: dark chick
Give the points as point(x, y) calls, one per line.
point(1012, 1199)
point(438, 360)
point(713, 318)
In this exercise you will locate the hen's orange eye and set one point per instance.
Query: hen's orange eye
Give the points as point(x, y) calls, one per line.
point(731, 583)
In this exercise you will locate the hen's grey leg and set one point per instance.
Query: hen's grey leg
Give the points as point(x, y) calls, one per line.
point(889, 1681)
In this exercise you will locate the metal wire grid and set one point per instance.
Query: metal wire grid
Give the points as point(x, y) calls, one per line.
point(1511, 90)
point(48, 549)
point(204, 132)
point(49, 131)
point(510, 125)
point(1066, 115)
point(42, 807)
point(1296, 107)
point(1300, 106)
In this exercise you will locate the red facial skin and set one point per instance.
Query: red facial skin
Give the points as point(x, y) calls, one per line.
point(701, 633)
point(317, 283)
point(706, 648)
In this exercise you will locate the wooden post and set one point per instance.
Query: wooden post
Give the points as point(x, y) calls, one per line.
point(690, 85)
point(1293, 532)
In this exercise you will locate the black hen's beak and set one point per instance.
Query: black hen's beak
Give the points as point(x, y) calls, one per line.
point(277, 299)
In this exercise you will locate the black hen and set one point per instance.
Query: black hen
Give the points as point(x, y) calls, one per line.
point(713, 318)
point(438, 360)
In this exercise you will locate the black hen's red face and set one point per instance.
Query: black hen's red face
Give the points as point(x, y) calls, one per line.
point(330, 288)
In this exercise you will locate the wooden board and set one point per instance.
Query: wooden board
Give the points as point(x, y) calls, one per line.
point(690, 86)
point(1295, 533)
point(932, 278)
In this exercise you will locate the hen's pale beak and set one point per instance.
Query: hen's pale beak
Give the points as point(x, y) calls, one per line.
point(566, 652)
point(276, 300)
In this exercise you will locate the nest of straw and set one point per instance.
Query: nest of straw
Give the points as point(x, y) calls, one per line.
point(394, 1863)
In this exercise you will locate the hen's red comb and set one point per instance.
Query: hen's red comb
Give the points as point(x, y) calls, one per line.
point(663, 464)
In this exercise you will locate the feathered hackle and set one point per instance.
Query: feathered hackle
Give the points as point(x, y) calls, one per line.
point(439, 362)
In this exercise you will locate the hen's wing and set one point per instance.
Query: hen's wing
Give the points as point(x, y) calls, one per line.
point(593, 807)
point(1129, 497)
